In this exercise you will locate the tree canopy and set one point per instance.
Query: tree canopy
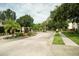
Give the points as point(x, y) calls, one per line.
point(7, 14)
point(62, 14)
point(66, 11)
point(25, 21)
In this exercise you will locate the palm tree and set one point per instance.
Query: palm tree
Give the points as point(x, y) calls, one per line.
point(12, 26)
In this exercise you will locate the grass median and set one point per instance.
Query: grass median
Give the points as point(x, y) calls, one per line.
point(58, 39)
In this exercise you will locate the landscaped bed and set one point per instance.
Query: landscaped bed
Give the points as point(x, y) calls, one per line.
point(73, 36)
point(21, 35)
point(58, 39)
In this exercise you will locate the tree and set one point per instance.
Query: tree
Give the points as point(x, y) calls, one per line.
point(37, 27)
point(5, 15)
point(11, 25)
point(25, 21)
point(63, 13)
point(10, 14)
point(2, 16)
point(66, 11)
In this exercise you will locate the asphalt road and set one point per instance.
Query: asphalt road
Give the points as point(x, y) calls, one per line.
point(38, 45)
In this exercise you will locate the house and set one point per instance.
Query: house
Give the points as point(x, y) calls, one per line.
point(72, 26)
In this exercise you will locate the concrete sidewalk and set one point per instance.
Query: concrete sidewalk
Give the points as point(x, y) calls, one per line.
point(67, 41)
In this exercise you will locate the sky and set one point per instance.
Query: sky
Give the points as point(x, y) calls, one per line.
point(39, 11)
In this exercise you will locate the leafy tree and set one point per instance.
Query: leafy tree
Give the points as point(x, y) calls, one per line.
point(2, 16)
point(25, 21)
point(10, 14)
point(37, 27)
point(61, 14)
point(66, 11)
point(5, 15)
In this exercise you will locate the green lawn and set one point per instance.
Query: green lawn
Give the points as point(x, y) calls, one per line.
point(57, 39)
point(73, 36)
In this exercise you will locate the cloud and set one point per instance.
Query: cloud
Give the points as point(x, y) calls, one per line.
point(39, 11)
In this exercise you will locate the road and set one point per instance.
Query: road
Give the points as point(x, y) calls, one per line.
point(38, 45)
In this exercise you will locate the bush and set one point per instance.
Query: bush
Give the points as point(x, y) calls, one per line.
point(30, 33)
point(19, 34)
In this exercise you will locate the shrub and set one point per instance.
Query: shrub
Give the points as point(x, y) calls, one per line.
point(19, 34)
point(30, 33)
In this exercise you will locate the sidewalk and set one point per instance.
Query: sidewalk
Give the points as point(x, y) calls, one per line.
point(67, 41)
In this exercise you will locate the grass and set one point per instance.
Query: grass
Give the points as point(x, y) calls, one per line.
point(73, 36)
point(58, 39)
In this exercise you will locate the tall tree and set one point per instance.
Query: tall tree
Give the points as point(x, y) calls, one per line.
point(7, 14)
point(25, 21)
point(63, 13)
